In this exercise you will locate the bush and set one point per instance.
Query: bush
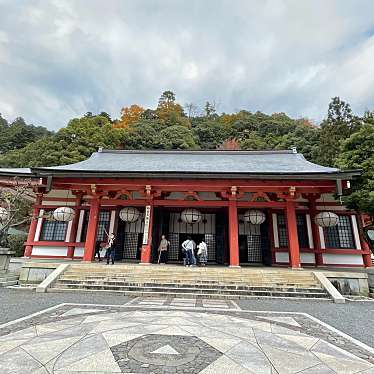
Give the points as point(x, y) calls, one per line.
point(16, 243)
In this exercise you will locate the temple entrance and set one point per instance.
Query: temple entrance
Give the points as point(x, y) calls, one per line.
point(129, 240)
point(169, 223)
point(254, 244)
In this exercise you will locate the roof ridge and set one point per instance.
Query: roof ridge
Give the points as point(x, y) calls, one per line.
point(198, 151)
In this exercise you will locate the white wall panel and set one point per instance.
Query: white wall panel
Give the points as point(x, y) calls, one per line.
point(275, 230)
point(282, 257)
point(356, 234)
point(68, 231)
point(307, 258)
point(310, 233)
point(79, 251)
point(321, 237)
point(49, 251)
point(39, 226)
point(112, 221)
point(342, 259)
point(80, 226)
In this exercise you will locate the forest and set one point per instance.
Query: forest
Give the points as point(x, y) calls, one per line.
point(343, 139)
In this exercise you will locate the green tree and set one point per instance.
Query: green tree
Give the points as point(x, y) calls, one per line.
point(358, 153)
point(74, 143)
point(339, 125)
point(142, 135)
point(18, 134)
point(177, 137)
point(210, 134)
point(170, 112)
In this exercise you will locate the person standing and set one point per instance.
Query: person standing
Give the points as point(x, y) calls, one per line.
point(163, 250)
point(202, 253)
point(194, 261)
point(111, 252)
point(188, 247)
point(97, 250)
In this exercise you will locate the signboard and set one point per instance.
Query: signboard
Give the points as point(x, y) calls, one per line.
point(147, 218)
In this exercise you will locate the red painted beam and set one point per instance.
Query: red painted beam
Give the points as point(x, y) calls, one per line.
point(190, 203)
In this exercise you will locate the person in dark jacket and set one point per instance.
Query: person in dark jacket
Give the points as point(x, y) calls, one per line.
point(110, 252)
point(97, 250)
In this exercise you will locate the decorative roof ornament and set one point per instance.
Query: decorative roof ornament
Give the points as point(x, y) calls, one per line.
point(63, 214)
point(129, 214)
point(254, 216)
point(191, 216)
point(326, 219)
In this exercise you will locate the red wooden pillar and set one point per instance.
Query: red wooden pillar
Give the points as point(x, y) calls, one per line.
point(74, 228)
point(233, 234)
point(315, 231)
point(145, 257)
point(293, 241)
point(33, 224)
point(89, 248)
point(367, 256)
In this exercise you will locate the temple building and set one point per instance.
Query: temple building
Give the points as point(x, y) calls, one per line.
point(250, 207)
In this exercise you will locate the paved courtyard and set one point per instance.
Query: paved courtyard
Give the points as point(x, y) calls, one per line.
point(176, 336)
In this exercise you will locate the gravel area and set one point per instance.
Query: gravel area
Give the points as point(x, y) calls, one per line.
point(354, 318)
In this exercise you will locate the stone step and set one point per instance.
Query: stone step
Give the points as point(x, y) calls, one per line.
point(9, 277)
point(166, 271)
point(7, 283)
point(166, 292)
point(189, 281)
point(191, 275)
point(217, 287)
point(111, 270)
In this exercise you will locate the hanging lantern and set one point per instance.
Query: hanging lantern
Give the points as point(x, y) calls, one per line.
point(326, 219)
point(3, 214)
point(191, 216)
point(63, 214)
point(129, 214)
point(256, 217)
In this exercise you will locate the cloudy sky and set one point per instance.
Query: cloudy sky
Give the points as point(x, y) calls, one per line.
point(62, 58)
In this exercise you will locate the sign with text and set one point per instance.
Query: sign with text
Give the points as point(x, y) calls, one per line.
point(147, 218)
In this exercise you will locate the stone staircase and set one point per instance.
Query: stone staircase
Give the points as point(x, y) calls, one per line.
point(8, 278)
point(178, 281)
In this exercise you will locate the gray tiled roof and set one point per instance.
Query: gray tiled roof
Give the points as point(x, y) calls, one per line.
point(15, 171)
point(216, 162)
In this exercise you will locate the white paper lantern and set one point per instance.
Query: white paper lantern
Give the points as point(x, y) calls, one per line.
point(3, 214)
point(63, 214)
point(191, 216)
point(129, 214)
point(256, 217)
point(326, 219)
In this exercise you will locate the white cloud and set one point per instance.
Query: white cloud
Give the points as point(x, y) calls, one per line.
point(62, 58)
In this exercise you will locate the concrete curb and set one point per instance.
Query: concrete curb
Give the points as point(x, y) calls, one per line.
point(42, 287)
point(328, 286)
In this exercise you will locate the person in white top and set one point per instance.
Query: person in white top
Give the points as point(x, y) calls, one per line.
point(188, 247)
point(202, 253)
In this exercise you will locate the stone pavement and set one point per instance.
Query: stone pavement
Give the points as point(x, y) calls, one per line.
point(176, 336)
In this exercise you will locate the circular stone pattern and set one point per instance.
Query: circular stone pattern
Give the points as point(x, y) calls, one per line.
point(164, 354)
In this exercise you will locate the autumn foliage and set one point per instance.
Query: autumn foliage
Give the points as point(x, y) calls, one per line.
point(129, 115)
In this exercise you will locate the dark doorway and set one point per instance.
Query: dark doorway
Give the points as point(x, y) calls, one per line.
point(254, 243)
point(160, 227)
point(129, 241)
point(243, 249)
point(222, 252)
